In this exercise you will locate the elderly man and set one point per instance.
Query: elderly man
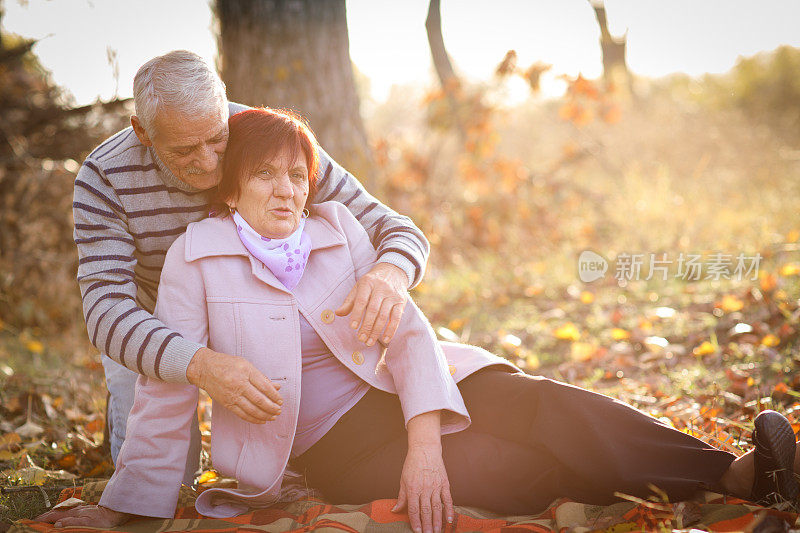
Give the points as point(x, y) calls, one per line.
point(137, 192)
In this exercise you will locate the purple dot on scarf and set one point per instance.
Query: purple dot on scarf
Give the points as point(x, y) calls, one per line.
point(290, 260)
point(285, 246)
point(265, 239)
point(239, 228)
point(288, 269)
point(297, 251)
point(297, 266)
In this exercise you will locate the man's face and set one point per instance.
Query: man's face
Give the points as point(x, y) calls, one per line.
point(192, 146)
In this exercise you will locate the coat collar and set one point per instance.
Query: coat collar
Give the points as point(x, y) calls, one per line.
point(216, 236)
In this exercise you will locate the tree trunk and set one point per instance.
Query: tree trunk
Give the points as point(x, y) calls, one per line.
point(441, 61)
point(296, 54)
point(613, 48)
point(451, 84)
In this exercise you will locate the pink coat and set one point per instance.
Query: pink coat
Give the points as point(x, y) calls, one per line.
point(214, 292)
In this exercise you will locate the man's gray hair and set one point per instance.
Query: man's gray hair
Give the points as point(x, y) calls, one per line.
point(179, 80)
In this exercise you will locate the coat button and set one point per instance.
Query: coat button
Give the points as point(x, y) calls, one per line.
point(327, 316)
point(358, 358)
point(452, 369)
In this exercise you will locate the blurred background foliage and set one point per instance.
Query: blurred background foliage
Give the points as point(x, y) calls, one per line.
point(509, 194)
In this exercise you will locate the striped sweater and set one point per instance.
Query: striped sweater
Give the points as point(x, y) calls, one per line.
point(129, 208)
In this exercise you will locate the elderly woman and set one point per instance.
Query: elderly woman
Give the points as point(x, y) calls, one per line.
point(431, 423)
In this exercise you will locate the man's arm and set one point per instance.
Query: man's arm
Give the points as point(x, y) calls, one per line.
point(116, 324)
point(395, 237)
point(376, 303)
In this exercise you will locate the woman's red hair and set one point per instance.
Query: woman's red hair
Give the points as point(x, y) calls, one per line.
point(257, 136)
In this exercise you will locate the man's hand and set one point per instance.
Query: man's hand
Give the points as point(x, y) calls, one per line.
point(236, 384)
point(376, 303)
point(84, 515)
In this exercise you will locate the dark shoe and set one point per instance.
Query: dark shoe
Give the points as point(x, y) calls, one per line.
point(774, 480)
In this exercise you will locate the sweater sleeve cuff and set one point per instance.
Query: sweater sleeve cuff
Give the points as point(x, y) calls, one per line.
point(176, 359)
point(393, 258)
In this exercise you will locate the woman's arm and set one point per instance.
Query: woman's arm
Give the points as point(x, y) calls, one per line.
point(151, 463)
point(424, 486)
point(429, 399)
point(150, 466)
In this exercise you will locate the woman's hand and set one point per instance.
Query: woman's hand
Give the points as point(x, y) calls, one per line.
point(424, 487)
point(236, 384)
point(84, 515)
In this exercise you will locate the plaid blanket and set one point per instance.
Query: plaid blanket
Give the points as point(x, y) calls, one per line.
point(713, 512)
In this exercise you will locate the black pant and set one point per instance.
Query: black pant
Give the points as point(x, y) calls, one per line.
point(532, 440)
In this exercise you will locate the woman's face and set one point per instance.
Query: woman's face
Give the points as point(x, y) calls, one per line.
point(273, 197)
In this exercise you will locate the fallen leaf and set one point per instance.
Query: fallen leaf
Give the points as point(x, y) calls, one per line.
point(790, 269)
point(68, 461)
point(69, 503)
point(100, 469)
point(9, 440)
point(704, 349)
point(510, 342)
point(656, 343)
point(8, 455)
point(447, 334)
point(95, 425)
point(770, 340)
point(30, 430)
point(567, 332)
point(34, 346)
point(582, 351)
point(209, 476)
point(768, 282)
point(619, 334)
point(730, 303)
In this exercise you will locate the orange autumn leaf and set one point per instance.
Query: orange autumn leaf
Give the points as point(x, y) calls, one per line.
point(68, 461)
point(567, 332)
point(567, 111)
point(770, 340)
point(34, 346)
point(780, 388)
point(209, 476)
point(9, 440)
point(100, 469)
point(582, 351)
point(731, 303)
point(768, 281)
point(790, 269)
point(619, 334)
point(584, 87)
point(612, 115)
point(704, 349)
point(95, 425)
point(645, 325)
point(456, 323)
point(583, 116)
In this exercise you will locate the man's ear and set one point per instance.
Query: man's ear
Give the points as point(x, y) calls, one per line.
point(144, 138)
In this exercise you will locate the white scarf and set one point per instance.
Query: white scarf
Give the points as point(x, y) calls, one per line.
point(286, 258)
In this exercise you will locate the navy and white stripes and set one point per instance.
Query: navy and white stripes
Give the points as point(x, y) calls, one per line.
point(129, 209)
